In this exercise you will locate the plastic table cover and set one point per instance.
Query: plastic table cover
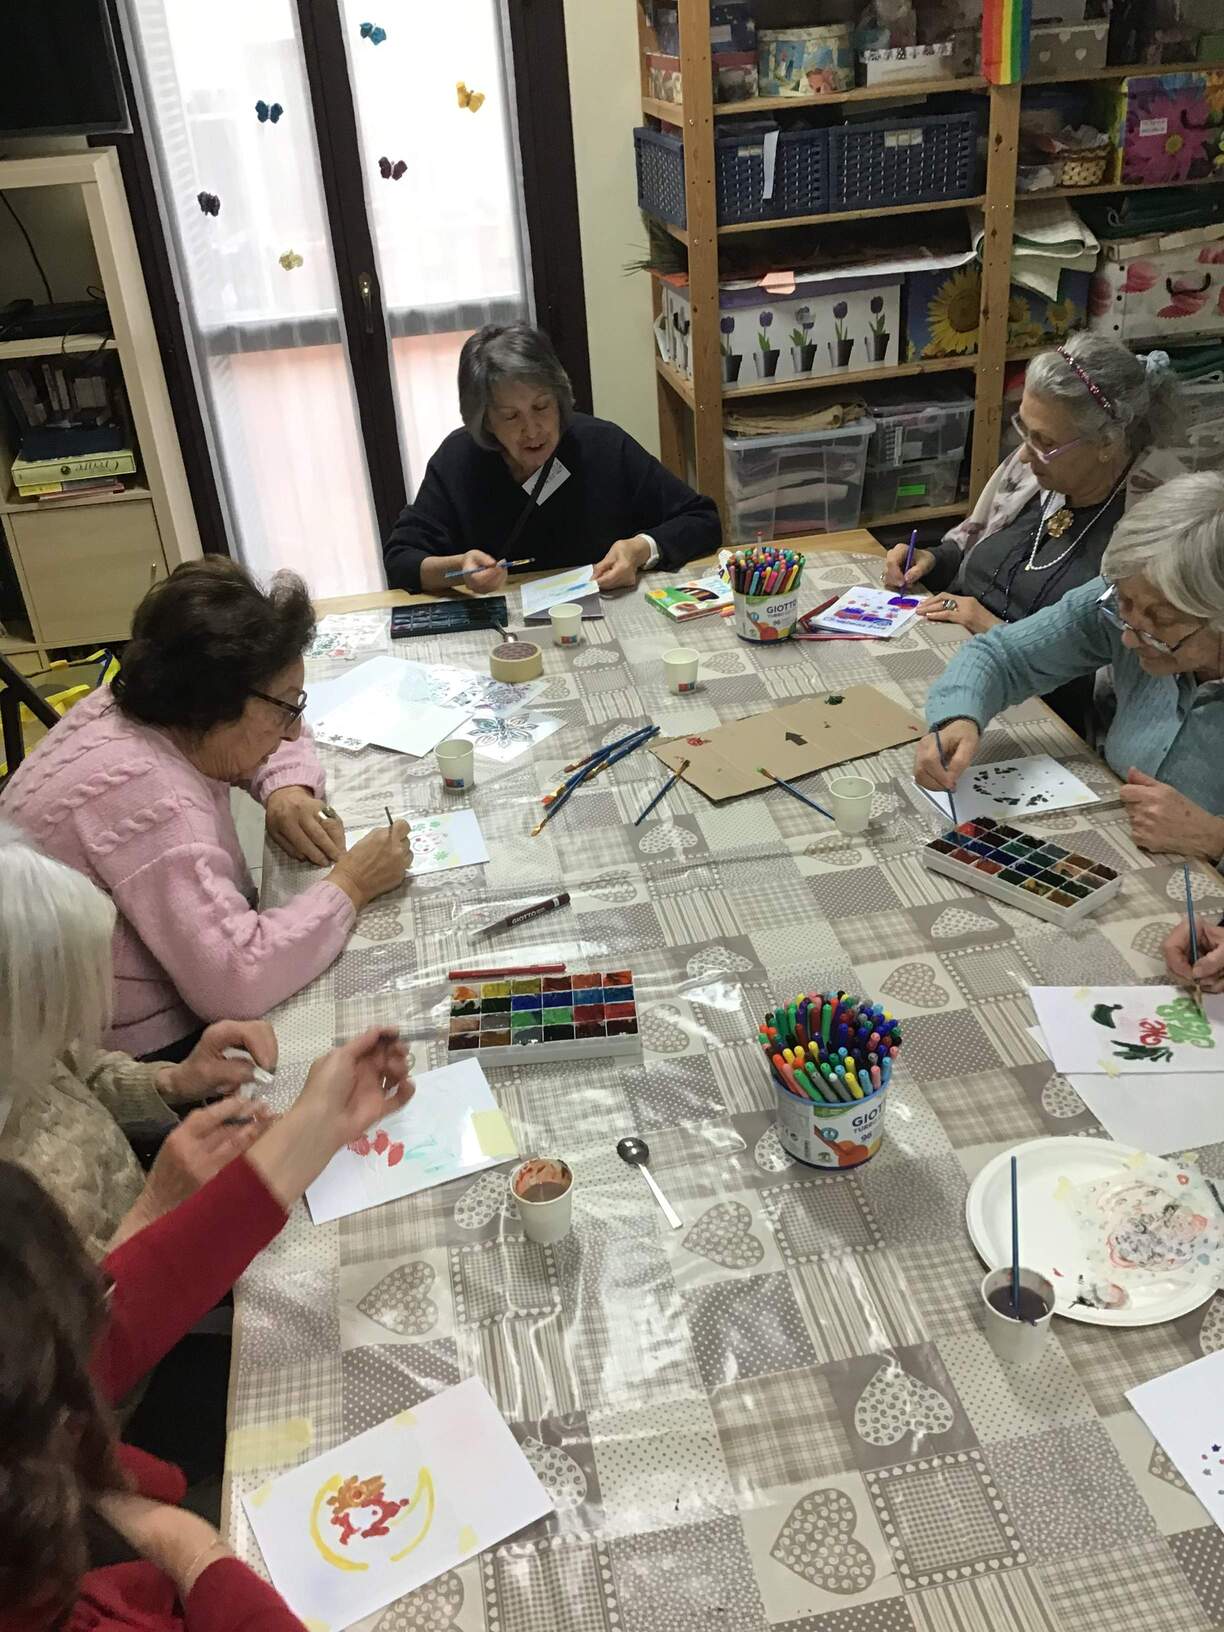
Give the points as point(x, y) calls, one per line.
point(783, 1414)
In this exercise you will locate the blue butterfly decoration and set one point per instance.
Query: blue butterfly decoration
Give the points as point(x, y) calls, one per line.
point(264, 112)
point(209, 203)
point(371, 32)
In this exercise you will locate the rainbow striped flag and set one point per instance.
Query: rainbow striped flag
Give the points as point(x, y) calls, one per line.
point(1005, 40)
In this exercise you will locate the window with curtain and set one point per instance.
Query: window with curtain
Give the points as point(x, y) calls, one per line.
point(258, 277)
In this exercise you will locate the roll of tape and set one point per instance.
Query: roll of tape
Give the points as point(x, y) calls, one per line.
point(516, 660)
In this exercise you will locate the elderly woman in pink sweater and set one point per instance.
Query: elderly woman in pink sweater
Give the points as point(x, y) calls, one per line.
point(133, 790)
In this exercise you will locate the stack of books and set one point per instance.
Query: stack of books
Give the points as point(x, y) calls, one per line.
point(69, 463)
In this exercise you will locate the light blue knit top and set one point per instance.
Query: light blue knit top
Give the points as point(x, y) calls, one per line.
point(1167, 725)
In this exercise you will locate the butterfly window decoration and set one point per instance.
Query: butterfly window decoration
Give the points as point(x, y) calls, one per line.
point(266, 114)
point(473, 101)
point(209, 203)
point(371, 32)
point(290, 260)
point(389, 171)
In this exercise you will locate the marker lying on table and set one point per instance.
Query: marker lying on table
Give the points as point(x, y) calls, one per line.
point(521, 917)
point(464, 572)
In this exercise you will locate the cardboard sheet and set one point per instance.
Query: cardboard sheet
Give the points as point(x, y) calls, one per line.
point(791, 741)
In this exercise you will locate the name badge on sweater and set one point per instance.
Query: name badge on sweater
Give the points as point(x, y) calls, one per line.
point(556, 476)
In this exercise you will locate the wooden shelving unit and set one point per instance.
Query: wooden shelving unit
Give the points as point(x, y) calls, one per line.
point(690, 409)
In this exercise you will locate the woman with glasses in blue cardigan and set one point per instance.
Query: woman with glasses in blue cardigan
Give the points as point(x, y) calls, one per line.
point(1156, 615)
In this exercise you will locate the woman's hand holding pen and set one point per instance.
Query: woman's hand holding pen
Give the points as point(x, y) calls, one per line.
point(959, 739)
point(481, 573)
point(375, 864)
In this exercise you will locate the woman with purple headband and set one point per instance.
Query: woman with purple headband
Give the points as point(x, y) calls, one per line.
point(1091, 409)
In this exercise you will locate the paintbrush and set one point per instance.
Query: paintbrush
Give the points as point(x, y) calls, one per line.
point(663, 791)
point(794, 791)
point(944, 763)
point(1196, 990)
point(465, 572)
point(584, 775)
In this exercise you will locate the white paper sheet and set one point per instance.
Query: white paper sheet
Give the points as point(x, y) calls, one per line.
point(352, 1530)
point(1133, 1031)
point(1011, 789)
point(439, 842)
point(575, 584)
point(414, 728)
point(868, 611)
point(1182, 1410)
point(451, 1127)
point(504, 738)
point(1165, 1115)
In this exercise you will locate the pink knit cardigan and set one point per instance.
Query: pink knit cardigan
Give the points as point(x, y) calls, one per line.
point(120, 803)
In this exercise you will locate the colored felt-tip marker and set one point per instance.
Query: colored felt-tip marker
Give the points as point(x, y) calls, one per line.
point(521, 917)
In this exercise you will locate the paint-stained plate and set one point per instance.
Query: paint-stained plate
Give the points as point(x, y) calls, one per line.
point(1108, 1225)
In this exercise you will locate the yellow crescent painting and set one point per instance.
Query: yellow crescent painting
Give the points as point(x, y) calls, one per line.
point(423, 1498)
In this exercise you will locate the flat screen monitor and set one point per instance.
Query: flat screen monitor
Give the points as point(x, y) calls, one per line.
point(59, 72)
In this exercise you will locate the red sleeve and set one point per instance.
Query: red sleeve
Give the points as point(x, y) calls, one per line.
point(228, 1597)
point(169, 1275)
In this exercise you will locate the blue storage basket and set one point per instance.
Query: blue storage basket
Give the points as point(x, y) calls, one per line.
point(801, 176)
point(918, 161)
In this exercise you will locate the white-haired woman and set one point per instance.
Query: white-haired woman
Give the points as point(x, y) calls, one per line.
point(603, 500)
point(64, 1103)
point(1090, 409)
point(1156, 615)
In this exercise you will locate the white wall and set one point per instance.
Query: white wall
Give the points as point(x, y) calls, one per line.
point(606, 98)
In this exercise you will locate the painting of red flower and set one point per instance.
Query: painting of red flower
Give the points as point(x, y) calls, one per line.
point(1169, 136)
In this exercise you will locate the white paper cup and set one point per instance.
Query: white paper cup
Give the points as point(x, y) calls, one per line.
point(850, 801)
point(548, 1219)
point(457, 762)
point(680, 667)
point(1016, 1342)
point(566, 623)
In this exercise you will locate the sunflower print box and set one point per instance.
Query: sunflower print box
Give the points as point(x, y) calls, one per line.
point(1022, 869)
point(576, 1016)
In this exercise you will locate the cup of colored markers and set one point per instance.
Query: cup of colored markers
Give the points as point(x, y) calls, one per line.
point(765, 587)
point(831, 1056)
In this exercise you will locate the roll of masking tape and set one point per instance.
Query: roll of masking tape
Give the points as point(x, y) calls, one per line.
point(515, 661)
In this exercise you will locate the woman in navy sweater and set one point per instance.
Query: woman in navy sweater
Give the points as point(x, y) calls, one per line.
point(603, 498)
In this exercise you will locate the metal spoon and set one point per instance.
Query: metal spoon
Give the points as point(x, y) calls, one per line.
point(636, 1152)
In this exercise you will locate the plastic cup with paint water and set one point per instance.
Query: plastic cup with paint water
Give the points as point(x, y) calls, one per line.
point(1017, 1336)
point(566, 623)
point(850, 801)
point(543, 1191)
point(457, 762)
point(680, 667)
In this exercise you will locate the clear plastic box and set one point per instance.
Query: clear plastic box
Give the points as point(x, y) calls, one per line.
point(911, 431)
point(911, 487)
point(801, 482)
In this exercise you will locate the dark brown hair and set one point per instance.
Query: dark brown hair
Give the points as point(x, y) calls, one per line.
point(57, 1438)
point(205, 638)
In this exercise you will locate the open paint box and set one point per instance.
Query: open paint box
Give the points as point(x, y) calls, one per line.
point(1023, 869)
point(578, 1016)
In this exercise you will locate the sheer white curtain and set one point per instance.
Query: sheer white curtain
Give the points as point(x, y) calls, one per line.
point(268, 337)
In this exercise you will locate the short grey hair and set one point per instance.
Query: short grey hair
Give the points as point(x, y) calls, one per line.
point(1144, 395)
point(55, 961)
point(513, 351)
point(1175, 538)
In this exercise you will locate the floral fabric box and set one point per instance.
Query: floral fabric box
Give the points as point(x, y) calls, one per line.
point(825, 327)
point(1168, 128)
point(1143, 292)
point(942, 312)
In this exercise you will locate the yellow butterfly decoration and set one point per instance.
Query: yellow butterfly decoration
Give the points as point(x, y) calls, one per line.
point(290, 260)
point(472, 100)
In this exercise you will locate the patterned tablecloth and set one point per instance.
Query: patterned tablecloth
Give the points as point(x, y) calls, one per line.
point(784, 1414)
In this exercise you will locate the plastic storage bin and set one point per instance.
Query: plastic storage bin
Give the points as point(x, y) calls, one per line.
point(800, 181)
point(802, 482)
point(911, 431)
point(920, 161)
point(911, 487)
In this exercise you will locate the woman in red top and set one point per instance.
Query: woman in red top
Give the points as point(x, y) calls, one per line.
point(74, 1340)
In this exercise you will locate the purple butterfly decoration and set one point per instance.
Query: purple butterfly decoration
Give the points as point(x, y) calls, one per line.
point(389, 171)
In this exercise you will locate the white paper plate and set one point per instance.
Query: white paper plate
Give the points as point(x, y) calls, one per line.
point(1052, 1237)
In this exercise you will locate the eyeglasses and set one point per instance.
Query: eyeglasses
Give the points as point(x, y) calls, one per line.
point(1111, 614)
point(1044, 454)
point(294, 710)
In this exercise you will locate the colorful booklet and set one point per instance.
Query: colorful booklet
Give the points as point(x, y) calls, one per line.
point(696, 599)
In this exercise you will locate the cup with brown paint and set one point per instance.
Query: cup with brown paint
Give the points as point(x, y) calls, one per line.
point(543, 1191)
point(1017, 1333)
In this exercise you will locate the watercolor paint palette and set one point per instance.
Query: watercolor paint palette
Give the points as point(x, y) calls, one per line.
point(576, 1016)
point(1023, 869)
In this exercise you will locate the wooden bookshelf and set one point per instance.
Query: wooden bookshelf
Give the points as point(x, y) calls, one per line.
point(56, 345)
